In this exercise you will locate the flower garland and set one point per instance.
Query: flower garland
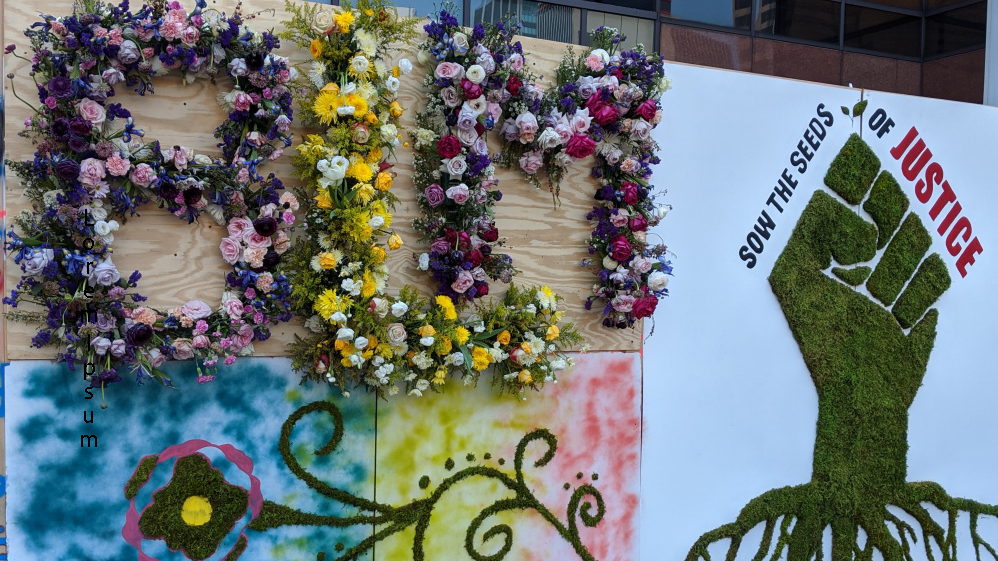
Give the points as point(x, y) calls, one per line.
point(544, 134)
point(92, 169)
point(361, 336)
point(621, 92)
point(466, 81)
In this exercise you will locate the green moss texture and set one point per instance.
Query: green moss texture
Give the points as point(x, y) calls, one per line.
point(886, 205)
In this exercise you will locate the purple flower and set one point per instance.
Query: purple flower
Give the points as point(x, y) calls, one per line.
point(60, 86)
point(265, 226)
point(434, 195)
point(139, 334)
point(192, 196)
point(67, 169)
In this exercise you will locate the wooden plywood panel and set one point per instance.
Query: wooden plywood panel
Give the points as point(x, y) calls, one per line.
point(181, 262)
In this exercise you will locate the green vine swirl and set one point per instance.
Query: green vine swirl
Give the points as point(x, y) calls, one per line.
point(417, 513)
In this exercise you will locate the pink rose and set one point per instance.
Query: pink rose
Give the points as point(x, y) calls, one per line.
point(449, 70)
point(244, 337)
point(594, 62)
point(143, 175)
point(641, 264)
point(518, 356)
point(531, 161)
point(242, 101)
point(231, 250)
point(396, 334)
point(630, 193)
point(606, 114)
point(526, 123)
point(623, 303)
point(581, 121)
point(117, 165)
point(92, 111)
point(238, 226)
point(619, 219)
point(645, 307)
point(458, 194)
point(183, 349)
point(580, 146)
point(647, 110)
point(638, 223)
point(450, 96)
point(233, 307)
point(156, 358)
point(640, 131)
point(463, 282)
point(494, 110)
point(470, 89)
point(620, 249)
point(628, 165)
point(200, 341)
point(91, 171)
point(434, 195)
point(252, 239)
point(564, 131)
point(516, 62)
point(180, 158)
point(196, 309)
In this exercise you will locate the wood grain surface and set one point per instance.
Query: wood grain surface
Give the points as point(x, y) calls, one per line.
point(181, 262)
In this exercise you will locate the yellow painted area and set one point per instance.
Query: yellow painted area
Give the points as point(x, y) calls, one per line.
point(196, 511)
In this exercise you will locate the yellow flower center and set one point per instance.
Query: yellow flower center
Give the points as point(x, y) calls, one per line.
point(196, 511)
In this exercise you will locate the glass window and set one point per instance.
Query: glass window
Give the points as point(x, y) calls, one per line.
point(957, 29)
point(426, 8)
point(910, 4)
point(937, 3)
point(814, 20)
point(538, 19)
point(878, 30)
point(729, 13)
point(635, 30)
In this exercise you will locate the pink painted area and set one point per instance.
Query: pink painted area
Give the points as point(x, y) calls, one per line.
point(133, 535)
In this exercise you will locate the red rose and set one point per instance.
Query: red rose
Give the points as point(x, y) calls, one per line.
point(594, 103)
point(620, 249)
point(630, 193)
point(616, 72)
point(451, 236)
point(482, 289)
point(606, 114)
point(638, 223)
point(647, 109)
point(644, 307)
point(580, 146)
point(514, 84)
point(490, 235)
point(463, 241)
point(475, 257)
point(448, 146)
point(471, 90)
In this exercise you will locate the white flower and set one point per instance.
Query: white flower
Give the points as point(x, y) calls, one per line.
point(602, 54)
point(376, 222)
point(422, 385)
point(478, 105)
point(394, 390)
point(461, 41)
point(317, 74)
point(422, 57)
point(530, 309)
point(314, 324)
point(426, 341)
point(405, 66)
point(360, 342)
point(344, 334)
point(392, 83)
point(548, 139)
point(351, 286)
point(338, 317)
point(424, 261)
point(658, 281)
point(422, 360)
point(346, 110)
point(360, 64)
point(399, 309)
point(558, 364)
point(389, 133)
point(366, 41)
point(476, 73)
point(609, 263)
point(456, 359)
point(349, 88)
point(416, 393)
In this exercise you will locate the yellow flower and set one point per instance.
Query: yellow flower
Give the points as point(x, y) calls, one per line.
point(445, 346)
point(359, 103)
point(480, 358)
point(369, 12)
point(339, 344)
point(369, 287)
point(331, 87)
point(395, 109)
point(525, 377)
point(325, 106)
point(360, 171)
point(364, 192)
point(374, 156)
point(315, 48)
point(343, 21)
point(348, 349)
point(503, 337)
point(371, 118)
point(378, 253)
point(367, 354)
point(394, 241)
point(323, 200)
point(461, 335)
point(526, 347)
point(553, 333)
point(372, 342)
point(345, 361)
point(384, 181)
point(327, 304)
point(427, 331)
point(327, 260)
point(447, 305)
point(384, 350)
point(438, 376)
point(396, 71)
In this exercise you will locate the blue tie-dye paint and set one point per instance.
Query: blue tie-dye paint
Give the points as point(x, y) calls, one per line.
point(66, 502)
